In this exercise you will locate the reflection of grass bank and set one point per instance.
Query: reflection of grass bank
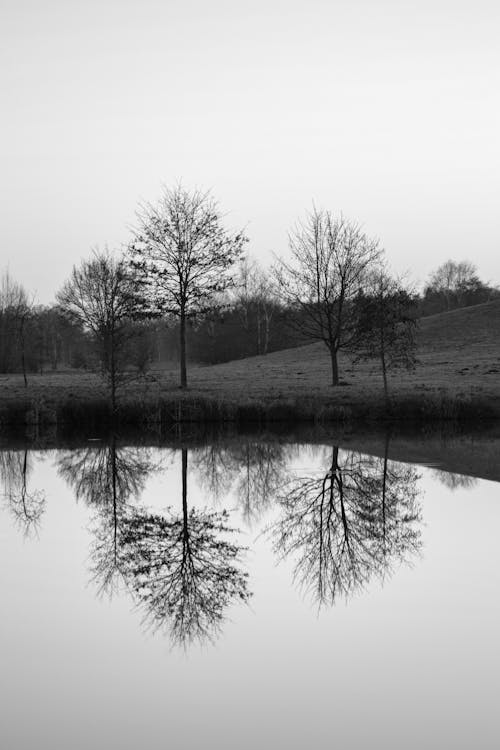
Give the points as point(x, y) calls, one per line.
point(470, 451)
point(457, 378)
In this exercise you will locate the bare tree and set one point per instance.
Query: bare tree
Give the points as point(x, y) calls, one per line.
point(385, 327)
point(330, 261)
point(100, 296)
point(15, 312)
point(183, 255)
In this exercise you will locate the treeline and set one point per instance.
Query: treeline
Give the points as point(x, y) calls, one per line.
point(34, 338)
point(184, 290)
point(252, 322)
point(454, 285)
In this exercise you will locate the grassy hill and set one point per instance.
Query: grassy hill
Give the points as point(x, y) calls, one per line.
point(458, 353)
point(458, 374)
point(470, 326)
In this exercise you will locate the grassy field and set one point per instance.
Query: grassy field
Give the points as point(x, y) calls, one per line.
point(457, 376)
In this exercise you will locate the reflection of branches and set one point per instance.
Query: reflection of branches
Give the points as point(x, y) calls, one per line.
point(27, 506)
point(255, 469)
point(106, 476)
point(216, 469)
point(106, 473)
point(262, 468)
point(355, 521)
point(454, 481)
point(183, 572)
point(180, 569)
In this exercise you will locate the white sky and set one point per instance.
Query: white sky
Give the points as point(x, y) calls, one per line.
point(386, 110)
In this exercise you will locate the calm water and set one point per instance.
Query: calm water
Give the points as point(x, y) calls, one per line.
point(247, 595)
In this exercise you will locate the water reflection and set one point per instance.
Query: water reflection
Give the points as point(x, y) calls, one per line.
point(181, 569)
point(106, 475)
point(355, 521)
point(454, 481)
point(26, 504)
point(253, 471)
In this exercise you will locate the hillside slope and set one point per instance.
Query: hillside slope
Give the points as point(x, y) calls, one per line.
point(458, 330)
point(458, 353)
point(470, 326)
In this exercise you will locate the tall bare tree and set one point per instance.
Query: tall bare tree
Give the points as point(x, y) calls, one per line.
point(184, 256)
point(330, 259)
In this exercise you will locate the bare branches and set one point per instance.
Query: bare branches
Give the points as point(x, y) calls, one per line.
point(182, 255)
point(357, 520)
point(15, 311)
point(183, 570)
point(100, 296)
point(330, 261)
point(26, 505)
point(385, 324)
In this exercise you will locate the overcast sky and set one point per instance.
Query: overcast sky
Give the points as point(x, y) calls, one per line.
point(385, 110)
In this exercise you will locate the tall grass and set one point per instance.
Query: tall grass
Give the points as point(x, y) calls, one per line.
point(95, 414)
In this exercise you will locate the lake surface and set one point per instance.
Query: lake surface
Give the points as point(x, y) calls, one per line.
point(250, 594)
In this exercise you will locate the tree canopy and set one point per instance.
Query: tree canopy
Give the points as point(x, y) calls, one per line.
point(183, 256)
point(330, 258)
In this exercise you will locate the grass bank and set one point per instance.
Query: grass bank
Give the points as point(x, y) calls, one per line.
point(145, 409)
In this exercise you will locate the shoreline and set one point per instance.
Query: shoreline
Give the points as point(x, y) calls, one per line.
point(140, 410)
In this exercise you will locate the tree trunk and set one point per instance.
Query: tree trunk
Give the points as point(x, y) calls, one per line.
point(384, 491)
point(23, 354)
point(183, 348)
point(112, 373)
point(335, 366)
point(266, 339)
point(184, 493)
point(112, 448)
point(384, 375)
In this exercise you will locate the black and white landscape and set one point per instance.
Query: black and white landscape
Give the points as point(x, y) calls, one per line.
point(249, 375)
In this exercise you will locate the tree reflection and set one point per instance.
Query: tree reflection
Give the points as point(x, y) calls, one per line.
point(25, 504)
point(181, 569)
point(357, 520)
point(105, 474)
point(454, 481)
point(254, 471)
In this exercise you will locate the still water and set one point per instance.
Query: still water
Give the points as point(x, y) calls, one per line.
point(248, 594)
